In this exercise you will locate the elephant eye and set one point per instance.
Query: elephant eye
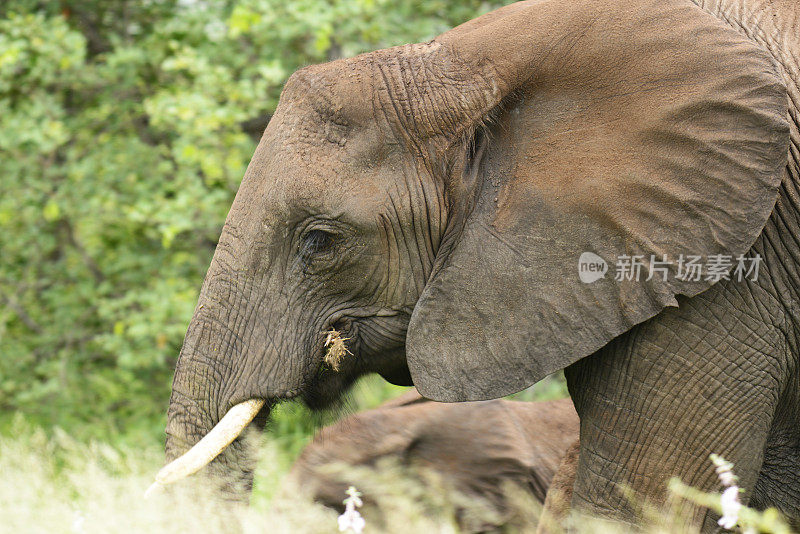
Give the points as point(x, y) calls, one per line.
point(315, 242)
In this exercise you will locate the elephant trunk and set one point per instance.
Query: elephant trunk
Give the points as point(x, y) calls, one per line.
point(196, 434)
point(222, 383)
point(207, 415)
point(209, 447)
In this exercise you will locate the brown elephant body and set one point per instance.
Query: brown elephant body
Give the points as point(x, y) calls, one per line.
point(434, 204)
point(482, 450)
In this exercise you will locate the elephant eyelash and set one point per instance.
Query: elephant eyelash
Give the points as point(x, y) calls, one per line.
point(316, 242)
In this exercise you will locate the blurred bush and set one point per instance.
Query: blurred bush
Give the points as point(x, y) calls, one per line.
point(125, 127)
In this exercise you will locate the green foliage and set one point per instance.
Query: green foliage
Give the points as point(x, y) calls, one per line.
point(551, 387)
point(125, 128)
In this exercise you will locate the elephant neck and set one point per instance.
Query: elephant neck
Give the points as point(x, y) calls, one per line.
point(777, 285)
point(775, 26)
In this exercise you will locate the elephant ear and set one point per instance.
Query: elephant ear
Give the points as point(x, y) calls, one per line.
point(645, 128)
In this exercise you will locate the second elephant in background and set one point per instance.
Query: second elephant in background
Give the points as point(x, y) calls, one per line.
point(474, 448)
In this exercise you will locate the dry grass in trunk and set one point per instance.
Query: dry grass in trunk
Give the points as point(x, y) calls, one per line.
point(336, 348)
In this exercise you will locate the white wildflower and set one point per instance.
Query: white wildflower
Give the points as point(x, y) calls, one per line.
point(724, 470)
point(727, 478)
point(353, 497)
point(351, 519)
point(730, 508)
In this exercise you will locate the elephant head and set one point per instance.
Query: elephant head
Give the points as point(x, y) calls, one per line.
point(431, 201)
point(475, 449)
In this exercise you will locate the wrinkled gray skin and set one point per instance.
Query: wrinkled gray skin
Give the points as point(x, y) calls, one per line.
point(431, 201)
point(478, 449)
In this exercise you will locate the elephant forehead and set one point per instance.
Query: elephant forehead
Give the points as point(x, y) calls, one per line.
point(280, 173)
point(298, 171)
point(287, 189)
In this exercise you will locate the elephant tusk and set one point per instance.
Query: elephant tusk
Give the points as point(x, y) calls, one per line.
point(208, 448)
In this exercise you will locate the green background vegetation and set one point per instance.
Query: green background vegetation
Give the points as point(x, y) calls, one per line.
point(125, 129)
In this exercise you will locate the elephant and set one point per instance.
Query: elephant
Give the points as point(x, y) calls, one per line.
point(474, 448)
point(531, 191)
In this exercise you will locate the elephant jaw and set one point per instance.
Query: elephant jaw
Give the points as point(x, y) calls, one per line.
point(208, 448)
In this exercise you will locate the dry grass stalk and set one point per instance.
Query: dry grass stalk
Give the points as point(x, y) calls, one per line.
point(336, 348)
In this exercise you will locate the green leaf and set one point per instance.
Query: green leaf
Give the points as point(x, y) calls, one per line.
point(51, 211)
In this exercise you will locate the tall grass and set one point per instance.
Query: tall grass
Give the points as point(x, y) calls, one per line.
point(51, 482)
